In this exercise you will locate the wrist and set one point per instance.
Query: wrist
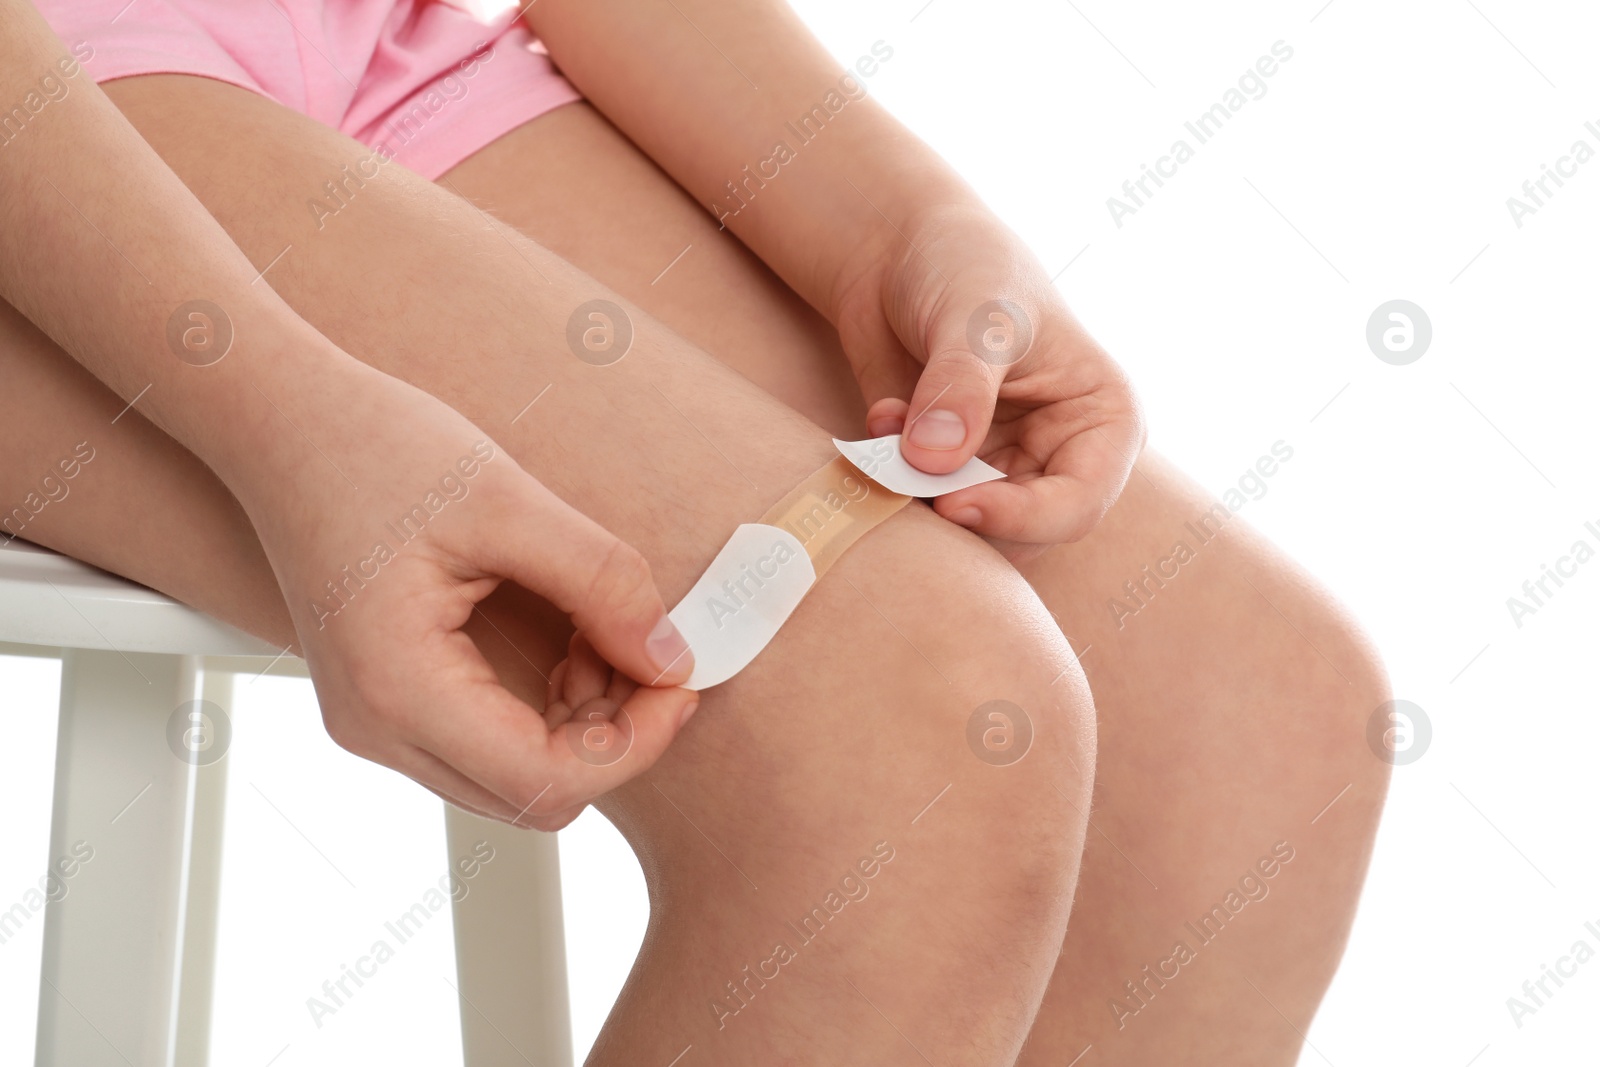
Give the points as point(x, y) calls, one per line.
point(826, 222)
point(897, 241)
point(272, 411)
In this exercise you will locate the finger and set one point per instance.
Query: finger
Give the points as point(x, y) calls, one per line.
point(1083, 477)
point(444, 781)
point(456, 803)
point(555, 712)
point(603, 583)
point(950, 409)
point(604, 730)
point(887, 416)
point(620, 688)
point(1086, 442)
point(495, 740)
point(586, 676)
point(1050, 509)
point(545, 823)
point(438, 778)
point(551, 823)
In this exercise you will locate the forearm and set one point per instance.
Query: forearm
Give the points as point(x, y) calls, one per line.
point(770, 135)
point(106, 250)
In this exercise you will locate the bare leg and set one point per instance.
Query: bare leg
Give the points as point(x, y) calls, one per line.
point(1232, 708)
point(1233, 711)
point(804, 791)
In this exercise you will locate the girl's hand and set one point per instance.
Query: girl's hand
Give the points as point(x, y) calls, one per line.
point(959, 317)
point(385, 539)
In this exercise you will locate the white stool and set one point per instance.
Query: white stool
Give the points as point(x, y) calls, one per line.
point(128, 952)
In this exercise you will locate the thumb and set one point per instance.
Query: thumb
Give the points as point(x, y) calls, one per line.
point(951, 406)
point(954, 401)
point(603, 583)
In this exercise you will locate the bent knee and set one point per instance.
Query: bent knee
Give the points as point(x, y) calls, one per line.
point(1328, 687)
point(920, 712)
point(920, 691)
point(1361, 726)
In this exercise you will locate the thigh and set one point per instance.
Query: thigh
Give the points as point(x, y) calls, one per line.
point(576, 185)
point(842, 749)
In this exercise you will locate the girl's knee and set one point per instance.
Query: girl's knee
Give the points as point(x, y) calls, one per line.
point(921, 696)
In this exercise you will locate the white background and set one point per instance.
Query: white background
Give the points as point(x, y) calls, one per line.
point(1377, 166)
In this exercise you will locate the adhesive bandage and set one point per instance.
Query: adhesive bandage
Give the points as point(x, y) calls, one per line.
point(766, 568)
point(880, 459)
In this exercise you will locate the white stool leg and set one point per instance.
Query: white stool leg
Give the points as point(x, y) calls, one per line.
point(113, 942)
point(511, 954)
point(197, 967)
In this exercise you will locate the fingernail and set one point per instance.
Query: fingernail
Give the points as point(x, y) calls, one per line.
point(665, 645)
point(966, 516)
point(938, 429)
point(688, 710)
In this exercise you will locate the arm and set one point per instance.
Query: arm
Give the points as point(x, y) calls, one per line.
point(956, 334)
point(104, 243)
point(712, 109)
point(105, 249)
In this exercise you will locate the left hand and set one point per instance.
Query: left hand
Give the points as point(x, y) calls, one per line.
point(960, 317)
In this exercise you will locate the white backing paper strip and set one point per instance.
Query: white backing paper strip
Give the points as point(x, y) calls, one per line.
point(737, 606)
point(762, 573)
point(881, 460)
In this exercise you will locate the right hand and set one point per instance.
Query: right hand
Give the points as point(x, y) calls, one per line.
point(398, 680)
